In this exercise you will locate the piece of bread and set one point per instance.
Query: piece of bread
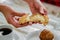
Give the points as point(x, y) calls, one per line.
point(39, 18)
point(46, 35)
point(24, 19)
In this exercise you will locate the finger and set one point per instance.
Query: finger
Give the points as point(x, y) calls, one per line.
point(17, 21)
point(17, 18)
point(36, 4)
point(40, 7)
point(43, 11)
point(32, 8)
point(21, 25)
point(18, 14)
point(13, 22)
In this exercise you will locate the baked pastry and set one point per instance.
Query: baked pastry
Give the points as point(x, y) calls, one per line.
point(46, 35)
point(24, 19)
point(38, 18)
point(43, 19)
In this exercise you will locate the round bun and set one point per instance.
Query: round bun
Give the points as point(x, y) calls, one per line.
point(46, 35)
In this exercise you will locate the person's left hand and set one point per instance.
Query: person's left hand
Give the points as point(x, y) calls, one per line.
point(11, 15)
point(36, 7)
point(13, 18)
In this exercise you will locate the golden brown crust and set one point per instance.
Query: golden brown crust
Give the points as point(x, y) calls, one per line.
point(46, 35)
point(39, 18)
point(24, 19)
point(46, 20)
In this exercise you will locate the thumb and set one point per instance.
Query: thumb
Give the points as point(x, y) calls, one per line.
point(18, 14)
point(43, 11)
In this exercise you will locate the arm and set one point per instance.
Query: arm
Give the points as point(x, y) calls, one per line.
point(5, 9)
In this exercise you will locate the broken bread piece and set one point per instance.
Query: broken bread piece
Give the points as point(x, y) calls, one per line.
point(24, 19)
point(38, 18)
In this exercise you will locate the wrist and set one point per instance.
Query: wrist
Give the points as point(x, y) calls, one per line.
point(5, 9)
point(2, 8)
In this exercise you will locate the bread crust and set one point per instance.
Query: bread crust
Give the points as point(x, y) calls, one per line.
point(36, 18)
point(46, 35)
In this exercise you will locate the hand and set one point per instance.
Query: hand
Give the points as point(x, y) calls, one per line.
point(36, 6)
point(13, 18)
point(11, 15)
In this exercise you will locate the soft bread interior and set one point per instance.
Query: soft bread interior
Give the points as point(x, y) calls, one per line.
point(39, 18)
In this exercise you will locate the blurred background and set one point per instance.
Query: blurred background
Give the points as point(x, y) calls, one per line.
point(54, 2)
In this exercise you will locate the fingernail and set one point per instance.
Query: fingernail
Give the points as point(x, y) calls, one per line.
point(41, 10)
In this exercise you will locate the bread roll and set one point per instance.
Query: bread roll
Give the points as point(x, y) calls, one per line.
point(46, 35)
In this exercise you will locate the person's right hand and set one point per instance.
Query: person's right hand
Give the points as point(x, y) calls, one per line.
point(36, 7)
